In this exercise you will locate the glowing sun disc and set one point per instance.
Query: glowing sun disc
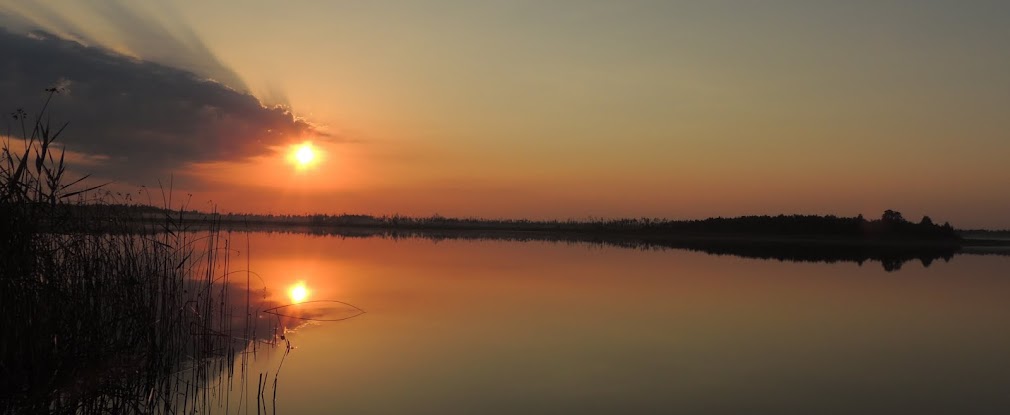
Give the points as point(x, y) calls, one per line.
point(298, 292)
point(303, 156)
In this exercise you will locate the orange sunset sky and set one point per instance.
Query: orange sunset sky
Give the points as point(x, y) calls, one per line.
point(559, 109)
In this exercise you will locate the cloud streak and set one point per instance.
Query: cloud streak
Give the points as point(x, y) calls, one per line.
point(153, 41)
point(160, 35)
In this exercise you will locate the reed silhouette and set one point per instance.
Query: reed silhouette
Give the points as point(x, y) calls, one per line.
point(140, 321)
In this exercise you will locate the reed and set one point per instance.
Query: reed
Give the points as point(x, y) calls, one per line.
point(138, 321)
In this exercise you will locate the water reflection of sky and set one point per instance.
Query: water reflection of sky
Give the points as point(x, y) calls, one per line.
point(508, 327)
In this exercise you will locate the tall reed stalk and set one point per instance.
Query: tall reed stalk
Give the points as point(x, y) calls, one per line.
point(91, 321)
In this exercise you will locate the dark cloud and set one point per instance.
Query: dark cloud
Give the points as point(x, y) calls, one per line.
point(161, 35)
point(149, 119)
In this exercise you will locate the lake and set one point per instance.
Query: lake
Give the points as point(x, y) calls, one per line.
point(505, 327)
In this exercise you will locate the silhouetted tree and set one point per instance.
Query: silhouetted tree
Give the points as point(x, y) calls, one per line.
point(892, 216)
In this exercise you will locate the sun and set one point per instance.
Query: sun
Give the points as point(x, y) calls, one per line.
point(298, 292)
point(304, 155)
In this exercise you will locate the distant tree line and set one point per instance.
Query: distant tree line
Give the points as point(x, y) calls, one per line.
point(890, 225)
point(783, 237)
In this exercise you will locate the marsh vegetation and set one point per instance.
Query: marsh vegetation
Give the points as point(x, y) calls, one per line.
point(152, 320)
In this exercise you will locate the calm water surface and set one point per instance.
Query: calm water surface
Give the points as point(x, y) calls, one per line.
point(463, 327)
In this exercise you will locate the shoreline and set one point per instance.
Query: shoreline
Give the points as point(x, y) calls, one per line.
point(570, 232)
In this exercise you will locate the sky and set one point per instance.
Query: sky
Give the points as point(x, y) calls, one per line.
point(560, 109)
